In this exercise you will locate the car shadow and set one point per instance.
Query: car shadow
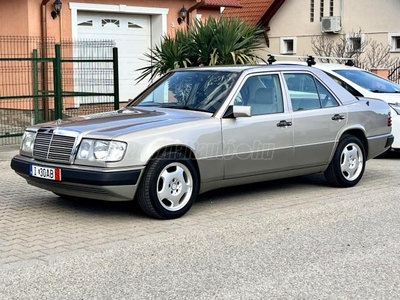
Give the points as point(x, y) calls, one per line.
point(265, 186)
point(390, 155)
point(129, 209)
point(92, 206)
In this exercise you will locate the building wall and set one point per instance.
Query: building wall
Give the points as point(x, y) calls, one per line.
point(32, 19)
point(23, 17)
point(13, 15)
point(293, 20)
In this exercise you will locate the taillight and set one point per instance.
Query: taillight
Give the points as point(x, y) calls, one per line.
point(389, 120)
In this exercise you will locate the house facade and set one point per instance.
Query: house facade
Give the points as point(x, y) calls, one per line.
point(296, 22)
point(290, 25)
point(133, 25)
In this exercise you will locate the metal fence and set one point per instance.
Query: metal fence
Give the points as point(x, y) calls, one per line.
point(42, 81)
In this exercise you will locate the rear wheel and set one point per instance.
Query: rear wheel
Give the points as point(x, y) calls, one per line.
point(348, 164)
point(169, 186)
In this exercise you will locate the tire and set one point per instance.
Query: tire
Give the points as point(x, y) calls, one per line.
point(348, 164)
point(168, 187)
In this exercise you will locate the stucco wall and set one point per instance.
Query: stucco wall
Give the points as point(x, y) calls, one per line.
point(374, 18)
point(23, 17)
point(13, 15)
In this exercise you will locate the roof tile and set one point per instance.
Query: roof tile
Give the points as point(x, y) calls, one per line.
point(226, 3)
point(252, 10)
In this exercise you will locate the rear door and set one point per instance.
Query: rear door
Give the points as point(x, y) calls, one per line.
point(317, 119)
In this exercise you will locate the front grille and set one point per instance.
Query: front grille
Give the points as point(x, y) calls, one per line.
point(53, 147)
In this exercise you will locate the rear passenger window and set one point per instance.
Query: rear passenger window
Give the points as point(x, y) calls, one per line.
point(307, 93)
point(327, 100)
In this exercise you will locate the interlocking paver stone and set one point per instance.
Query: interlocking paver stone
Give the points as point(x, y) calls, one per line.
point(36, 225)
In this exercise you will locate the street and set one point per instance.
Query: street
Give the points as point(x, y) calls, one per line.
point(289, 239)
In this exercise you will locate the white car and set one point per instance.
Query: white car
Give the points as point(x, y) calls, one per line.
point(362, 83)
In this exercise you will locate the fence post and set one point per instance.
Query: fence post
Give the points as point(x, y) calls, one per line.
point(57, 83)
point(35, 75)
point(116, 78)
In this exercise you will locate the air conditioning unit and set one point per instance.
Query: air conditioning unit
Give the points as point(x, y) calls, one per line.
point(331, 24)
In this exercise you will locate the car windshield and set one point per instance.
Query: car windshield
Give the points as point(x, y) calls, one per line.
point(370, 81)
point(193, 90)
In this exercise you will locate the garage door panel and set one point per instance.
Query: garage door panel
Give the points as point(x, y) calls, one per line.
point(131, 34)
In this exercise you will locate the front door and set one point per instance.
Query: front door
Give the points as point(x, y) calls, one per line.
point(262, 143)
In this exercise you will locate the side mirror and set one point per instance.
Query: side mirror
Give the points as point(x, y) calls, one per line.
point(238, 111)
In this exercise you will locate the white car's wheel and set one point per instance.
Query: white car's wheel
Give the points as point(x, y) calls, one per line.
point(348, 164)
point(169, 186)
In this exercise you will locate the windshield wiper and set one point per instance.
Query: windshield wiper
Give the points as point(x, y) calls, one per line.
point(149, 104)
point(186, 107)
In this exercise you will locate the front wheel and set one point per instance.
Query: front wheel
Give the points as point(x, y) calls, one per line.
point(169, 186)
point(348, 164)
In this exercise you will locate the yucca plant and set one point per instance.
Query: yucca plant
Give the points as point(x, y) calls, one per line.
point(226, 41)
point(213, 42)
point(171, 54)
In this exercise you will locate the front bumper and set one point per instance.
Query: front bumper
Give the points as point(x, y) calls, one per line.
point(85, 182)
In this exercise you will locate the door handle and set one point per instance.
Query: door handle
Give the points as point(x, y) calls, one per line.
point(337, 117)
point(284, 123)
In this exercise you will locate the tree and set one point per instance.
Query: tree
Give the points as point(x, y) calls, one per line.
point(368, 53)
point(213, 42)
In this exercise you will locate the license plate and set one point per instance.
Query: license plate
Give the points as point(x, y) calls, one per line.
point(45, 173)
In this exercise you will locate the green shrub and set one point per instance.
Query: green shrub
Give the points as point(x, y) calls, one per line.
point(213, 42)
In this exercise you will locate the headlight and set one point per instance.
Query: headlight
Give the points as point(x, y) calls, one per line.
point(395, 107)
point(27, 143)
point(99, 150)
point(84, 149)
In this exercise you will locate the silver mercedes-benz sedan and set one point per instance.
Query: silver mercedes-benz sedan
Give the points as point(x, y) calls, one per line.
point(199, 129)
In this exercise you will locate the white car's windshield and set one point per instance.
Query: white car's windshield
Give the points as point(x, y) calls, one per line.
point(194, 90)
point(370, 81)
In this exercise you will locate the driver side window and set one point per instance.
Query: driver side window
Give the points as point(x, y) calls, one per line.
point(262, 93)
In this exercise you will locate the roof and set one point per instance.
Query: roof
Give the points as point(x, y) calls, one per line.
point(241, 68)
point(251, 12)
point(319, 65)
point(219, 3)
point(255, 12)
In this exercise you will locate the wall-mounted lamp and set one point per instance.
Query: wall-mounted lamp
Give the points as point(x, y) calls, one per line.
point(56, 8)
point(182, 15)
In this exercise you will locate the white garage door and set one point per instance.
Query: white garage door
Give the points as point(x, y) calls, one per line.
point(131, 34)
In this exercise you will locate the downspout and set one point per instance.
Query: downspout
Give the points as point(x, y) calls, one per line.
point(43, 29)
point(191, 9)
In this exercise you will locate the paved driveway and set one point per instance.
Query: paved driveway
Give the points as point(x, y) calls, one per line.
point(297, 238)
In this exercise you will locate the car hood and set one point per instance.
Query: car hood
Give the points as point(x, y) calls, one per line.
point(127, 120)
